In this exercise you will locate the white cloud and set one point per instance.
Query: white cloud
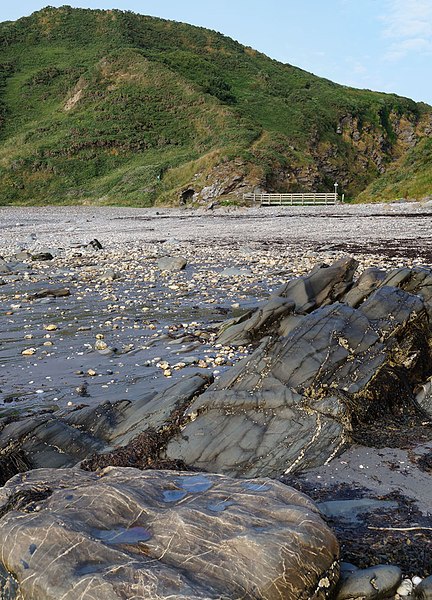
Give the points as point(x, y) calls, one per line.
point(408, 18)
point(408, 27)
point(404, 47)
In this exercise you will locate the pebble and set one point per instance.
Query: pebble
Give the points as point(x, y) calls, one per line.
point(405, 588)
point(29, 352)
point(100, 345)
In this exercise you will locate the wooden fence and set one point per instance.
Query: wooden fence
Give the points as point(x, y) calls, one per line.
point(292, 199)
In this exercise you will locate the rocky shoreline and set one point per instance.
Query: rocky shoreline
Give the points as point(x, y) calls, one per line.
point(131, 338)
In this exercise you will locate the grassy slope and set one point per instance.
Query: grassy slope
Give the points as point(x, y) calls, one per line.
point(113, 107)
point(409, 178)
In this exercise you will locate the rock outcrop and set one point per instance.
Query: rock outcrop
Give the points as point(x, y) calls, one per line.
point(332, 353)
point(293, 403)
point(126, 534)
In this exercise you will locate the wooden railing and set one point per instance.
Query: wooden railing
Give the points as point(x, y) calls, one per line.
point(309, 198)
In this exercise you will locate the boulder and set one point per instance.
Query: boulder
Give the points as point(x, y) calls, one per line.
point(323, 285)
point(125, 533)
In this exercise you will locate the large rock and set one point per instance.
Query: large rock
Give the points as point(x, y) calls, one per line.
point(324, 285)
point(332, 353)
point(292, 404)
point(64, 438)
point(126, 534)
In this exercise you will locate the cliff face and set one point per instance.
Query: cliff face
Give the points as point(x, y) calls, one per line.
point(113, 107)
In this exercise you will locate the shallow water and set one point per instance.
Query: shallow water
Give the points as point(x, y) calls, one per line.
point(121, 535)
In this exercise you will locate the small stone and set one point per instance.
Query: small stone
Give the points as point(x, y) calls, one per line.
point(81, 390)
point(109, 275)
point(55, 293)
point(95, 244)
point(416, 580)
point(370, 584)
point(100, 345)
point(51, 327)
point(42, 256)
point(29, 352)
point(234, 272)
point(163, 365)
point(91, 372)
point(405, 588)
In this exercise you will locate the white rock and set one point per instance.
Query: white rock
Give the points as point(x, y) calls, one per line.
point(405, 588)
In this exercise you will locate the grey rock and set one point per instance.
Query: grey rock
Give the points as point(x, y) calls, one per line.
point(62, 439)
point(42, 256)
point(22, 256)
point(50, 292)
point(109, 275)
point(324, 285)
point(253, 326)
point(424, 397)
point(424, 589)
point(290, 404)
point(364, 286)
point(125, 533)
point(346, 569)
point(4, 267)
point(370, 584)
point(95, 244)
point(236, 272)
point(171, 263)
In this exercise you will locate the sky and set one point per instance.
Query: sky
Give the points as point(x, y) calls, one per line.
point(383, 45)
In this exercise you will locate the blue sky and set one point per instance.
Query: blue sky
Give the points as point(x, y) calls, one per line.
point(382, 45)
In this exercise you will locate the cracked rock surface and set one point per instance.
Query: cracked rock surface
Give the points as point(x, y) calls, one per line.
point(331, 353)
point(126, 533)
point(293, 403)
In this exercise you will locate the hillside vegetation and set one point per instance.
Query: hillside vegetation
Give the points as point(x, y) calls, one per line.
point(112, 107)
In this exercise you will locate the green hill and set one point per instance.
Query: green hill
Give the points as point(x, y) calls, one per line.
point(112, 107)
point(409, 178)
